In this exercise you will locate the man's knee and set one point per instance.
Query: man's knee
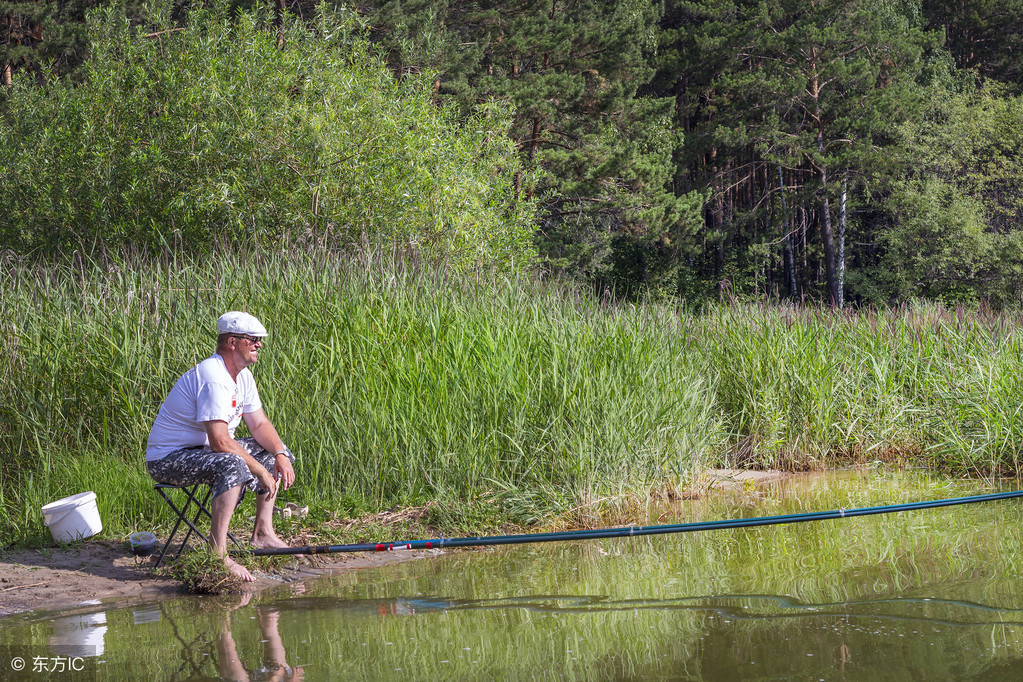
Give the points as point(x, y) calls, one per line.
point(232, 473)
point(228, 496)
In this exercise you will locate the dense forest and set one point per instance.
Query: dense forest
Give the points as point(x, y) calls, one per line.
point(837, 151)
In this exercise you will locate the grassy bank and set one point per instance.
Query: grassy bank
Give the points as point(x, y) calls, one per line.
point(498, 398)
point(394, 385)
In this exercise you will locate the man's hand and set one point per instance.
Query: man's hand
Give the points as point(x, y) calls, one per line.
point(267, 481)
point(284, 471)
point(221, 441)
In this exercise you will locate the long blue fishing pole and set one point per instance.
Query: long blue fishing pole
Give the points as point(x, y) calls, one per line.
point(629, 531)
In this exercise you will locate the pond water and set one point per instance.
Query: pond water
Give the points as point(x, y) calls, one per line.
point(931, 594)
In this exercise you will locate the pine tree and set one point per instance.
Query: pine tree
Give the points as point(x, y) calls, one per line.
point(22, 35)
point(810, 88)
point(985, 35)
point(46, 34)
point(597, 149)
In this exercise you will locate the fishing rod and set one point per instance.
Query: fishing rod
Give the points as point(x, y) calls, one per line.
point(626, 531)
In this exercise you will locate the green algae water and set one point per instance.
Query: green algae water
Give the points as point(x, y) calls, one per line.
point(931, 594)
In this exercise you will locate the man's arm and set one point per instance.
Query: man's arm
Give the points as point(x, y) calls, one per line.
point(221, 441)
point(266, 435)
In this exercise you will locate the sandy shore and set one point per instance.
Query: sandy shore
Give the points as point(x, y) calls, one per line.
point(55, 578)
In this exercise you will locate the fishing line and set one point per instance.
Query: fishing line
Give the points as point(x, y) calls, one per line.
point(627, 531)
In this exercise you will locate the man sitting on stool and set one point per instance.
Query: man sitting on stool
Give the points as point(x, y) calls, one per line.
point(192, 440)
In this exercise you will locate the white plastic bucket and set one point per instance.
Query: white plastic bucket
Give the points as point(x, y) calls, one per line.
point(73, 518)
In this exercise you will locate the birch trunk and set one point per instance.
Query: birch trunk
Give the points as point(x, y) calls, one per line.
point(788, 236)
point(841, 240)
point(827, 232)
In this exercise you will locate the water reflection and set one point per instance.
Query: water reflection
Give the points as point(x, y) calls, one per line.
point(145, 614)
point(925, 595)
point(274, 665)
point(232, 637)
point(80, 635)
point(737, 606)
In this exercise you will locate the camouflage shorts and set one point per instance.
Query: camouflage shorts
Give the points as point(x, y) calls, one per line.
point(219, 470)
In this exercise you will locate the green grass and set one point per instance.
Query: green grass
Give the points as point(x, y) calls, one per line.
point(201, 571)
point(497, 397)
point(395, 384)
point(802, 387)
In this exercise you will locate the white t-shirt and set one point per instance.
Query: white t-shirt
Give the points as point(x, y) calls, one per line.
point(204, 393)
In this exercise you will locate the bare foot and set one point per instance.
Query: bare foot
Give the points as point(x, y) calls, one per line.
point(239, 570)
point(269, 540)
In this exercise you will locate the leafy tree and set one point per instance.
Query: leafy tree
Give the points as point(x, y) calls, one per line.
point(257, 130)
point(954, 203)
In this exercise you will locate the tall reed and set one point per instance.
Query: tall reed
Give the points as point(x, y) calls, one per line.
point(399, 383)
point(802, 387)
point(394, 383)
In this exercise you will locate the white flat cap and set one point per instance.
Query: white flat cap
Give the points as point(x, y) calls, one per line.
point(237, 322)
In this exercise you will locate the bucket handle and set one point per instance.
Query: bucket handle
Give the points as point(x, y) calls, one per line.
point(53, 521)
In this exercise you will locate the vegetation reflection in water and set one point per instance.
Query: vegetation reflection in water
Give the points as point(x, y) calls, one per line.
point(923, 595)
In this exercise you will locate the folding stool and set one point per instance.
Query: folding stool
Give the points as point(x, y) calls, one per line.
point(201, 507)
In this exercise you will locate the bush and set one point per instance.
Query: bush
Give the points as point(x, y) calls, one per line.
point(234, 131)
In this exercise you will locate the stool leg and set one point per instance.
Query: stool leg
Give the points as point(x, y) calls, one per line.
point(173, 530)
point(183, 516)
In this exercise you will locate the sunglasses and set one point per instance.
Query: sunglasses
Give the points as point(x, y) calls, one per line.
point(251, 339)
